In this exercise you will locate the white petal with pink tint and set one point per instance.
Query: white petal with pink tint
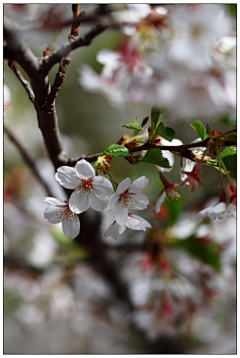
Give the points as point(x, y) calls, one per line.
point(59, 211)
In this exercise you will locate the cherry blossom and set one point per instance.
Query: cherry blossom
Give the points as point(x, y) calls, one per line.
point(218, 211)
point(121, 77)
point(192, 179)
point(90, 190)
point(128, 196)
point(187, 164)
point(133, 222)
point(197, 28)
point(59, 212)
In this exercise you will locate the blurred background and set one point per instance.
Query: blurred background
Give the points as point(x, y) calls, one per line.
point(54, 301)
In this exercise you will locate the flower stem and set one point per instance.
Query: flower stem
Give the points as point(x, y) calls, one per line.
point(114, 183)
point(138, 137)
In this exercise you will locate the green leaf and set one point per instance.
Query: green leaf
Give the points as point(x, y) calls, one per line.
point(156, 113)
point(133, 126)
point(200, 129)
point(117, 150)
point(154, 156)
point(228, 151)
point(228, 121)
point(229, 157)
point(165, 132)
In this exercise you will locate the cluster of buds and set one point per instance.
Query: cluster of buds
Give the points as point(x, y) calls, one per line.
point(102, 163)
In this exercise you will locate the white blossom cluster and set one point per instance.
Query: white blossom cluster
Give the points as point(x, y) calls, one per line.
point(179, 56)
point(92, 191)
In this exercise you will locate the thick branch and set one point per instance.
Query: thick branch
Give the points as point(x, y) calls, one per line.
point(28, 158)
point(90, 225)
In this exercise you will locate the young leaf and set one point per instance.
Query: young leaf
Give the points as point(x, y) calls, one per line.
point(154, 156)
point(228, 151)
point(155, 116)
point(165, 132)
point(200, 129)
point(229, 157)
point(117, 150)
point(133, 126)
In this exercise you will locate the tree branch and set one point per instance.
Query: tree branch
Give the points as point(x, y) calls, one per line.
point(24, 82)
point(61, 75)
point(48, 63)
point(182, 150)
point(28, 158)
point(47, 120)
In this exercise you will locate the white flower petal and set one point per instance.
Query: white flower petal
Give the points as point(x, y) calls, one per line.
point(132, 223)
point(102, 186)
point(123, 186)
point(174, 142)
point(115, 231)
point(170, 157)
point(188, 166)
point(140, 202)
point(79, 202)
point(71, 228)
point(66, 176)
point(112, 202)
point(51, 214)
point(54, 201)
point(160, 201)
point(84, 169)
point(121, 213)
point(98, 202)
point(135, 222)
point(218, 211)
point(138, 185)
point(144, 223)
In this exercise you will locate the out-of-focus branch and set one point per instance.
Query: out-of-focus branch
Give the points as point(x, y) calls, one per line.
point(28, 158)
point(12, 263)
point(24, 82)
point(48, 63)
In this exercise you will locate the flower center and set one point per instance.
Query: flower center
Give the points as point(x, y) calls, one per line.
point(86, 186)
point(128, 200)
point(65, 213)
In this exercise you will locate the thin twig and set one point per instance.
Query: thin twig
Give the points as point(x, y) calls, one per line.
point(61, 74)
point(182, 150)
point(28, 159)
point(24, 82)
point(49, 62)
